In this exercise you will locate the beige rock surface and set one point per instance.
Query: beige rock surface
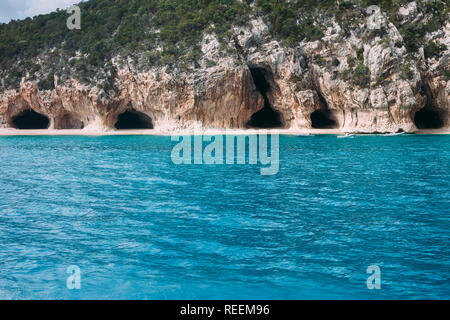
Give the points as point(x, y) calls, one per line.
point(301, 80)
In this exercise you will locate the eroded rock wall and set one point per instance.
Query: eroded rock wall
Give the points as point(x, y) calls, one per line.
point(302, 79)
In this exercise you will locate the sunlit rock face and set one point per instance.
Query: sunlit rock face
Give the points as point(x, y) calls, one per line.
point(267, 85)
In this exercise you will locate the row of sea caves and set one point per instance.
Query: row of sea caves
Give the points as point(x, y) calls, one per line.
point(30, 119)
point(267, 118)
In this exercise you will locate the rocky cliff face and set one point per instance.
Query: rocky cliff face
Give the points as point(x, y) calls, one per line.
point(357, 79)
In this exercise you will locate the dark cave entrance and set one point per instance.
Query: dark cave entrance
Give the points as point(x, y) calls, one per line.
point(69, 121)
point(267, 117)
point(427, 118)
point(30, 119)
point(430, 116)
point(323, 118)
point(132, 119)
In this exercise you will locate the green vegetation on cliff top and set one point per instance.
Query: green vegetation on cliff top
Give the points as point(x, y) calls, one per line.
point(168, 32)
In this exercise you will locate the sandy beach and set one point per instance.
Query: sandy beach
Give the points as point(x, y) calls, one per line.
point(96, 132)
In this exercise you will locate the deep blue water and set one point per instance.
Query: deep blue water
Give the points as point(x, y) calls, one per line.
point(140, 227)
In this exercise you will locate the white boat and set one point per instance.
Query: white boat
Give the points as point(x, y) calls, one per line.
point(347, 135)
point(396, 134)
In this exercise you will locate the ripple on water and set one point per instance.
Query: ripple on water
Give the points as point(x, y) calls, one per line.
point(140, 227)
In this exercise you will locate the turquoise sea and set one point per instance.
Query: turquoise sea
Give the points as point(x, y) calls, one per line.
point(140, 227)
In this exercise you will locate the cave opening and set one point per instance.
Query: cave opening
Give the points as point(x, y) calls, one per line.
point(428, 118)
point(267, 117)
point(69, 121)
point(323, 119)
point(132, 119)
point(30, 119)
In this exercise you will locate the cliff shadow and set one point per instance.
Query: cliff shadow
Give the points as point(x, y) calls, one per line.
point(267, 117)
point(68, 121)
point(132, 119)
point(30, 119)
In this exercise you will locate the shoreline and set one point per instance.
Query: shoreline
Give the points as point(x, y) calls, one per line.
point(212, 132)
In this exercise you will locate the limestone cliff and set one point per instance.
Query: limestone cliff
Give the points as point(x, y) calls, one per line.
point(356, 78)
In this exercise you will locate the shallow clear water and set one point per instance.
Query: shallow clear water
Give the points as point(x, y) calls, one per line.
point(140, 227)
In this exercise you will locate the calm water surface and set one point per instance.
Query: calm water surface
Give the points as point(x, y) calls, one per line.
point(140, 227)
